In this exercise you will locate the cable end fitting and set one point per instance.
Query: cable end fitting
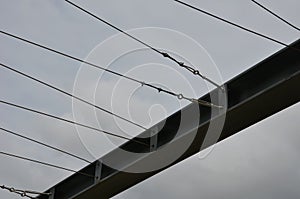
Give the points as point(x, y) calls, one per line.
point(205, 103)
point(165, 54)
point(196, 72)
point(181, 64)
point(180, 96)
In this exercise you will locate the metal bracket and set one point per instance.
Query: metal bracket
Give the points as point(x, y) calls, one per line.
point(98, 171)
point(153, 138)
point(52, 191)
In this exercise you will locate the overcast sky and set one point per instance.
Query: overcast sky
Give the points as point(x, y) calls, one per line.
point(260, 162)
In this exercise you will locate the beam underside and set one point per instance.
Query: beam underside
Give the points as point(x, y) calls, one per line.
point(261, 91)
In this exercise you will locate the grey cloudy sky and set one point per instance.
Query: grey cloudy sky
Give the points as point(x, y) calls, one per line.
point(260, 162)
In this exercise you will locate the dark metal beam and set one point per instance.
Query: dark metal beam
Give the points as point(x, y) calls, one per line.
point(254, 95)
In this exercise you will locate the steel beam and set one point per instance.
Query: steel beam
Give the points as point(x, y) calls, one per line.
point(263, 90)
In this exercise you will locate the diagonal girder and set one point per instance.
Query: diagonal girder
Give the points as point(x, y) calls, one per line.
point(263, 90)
